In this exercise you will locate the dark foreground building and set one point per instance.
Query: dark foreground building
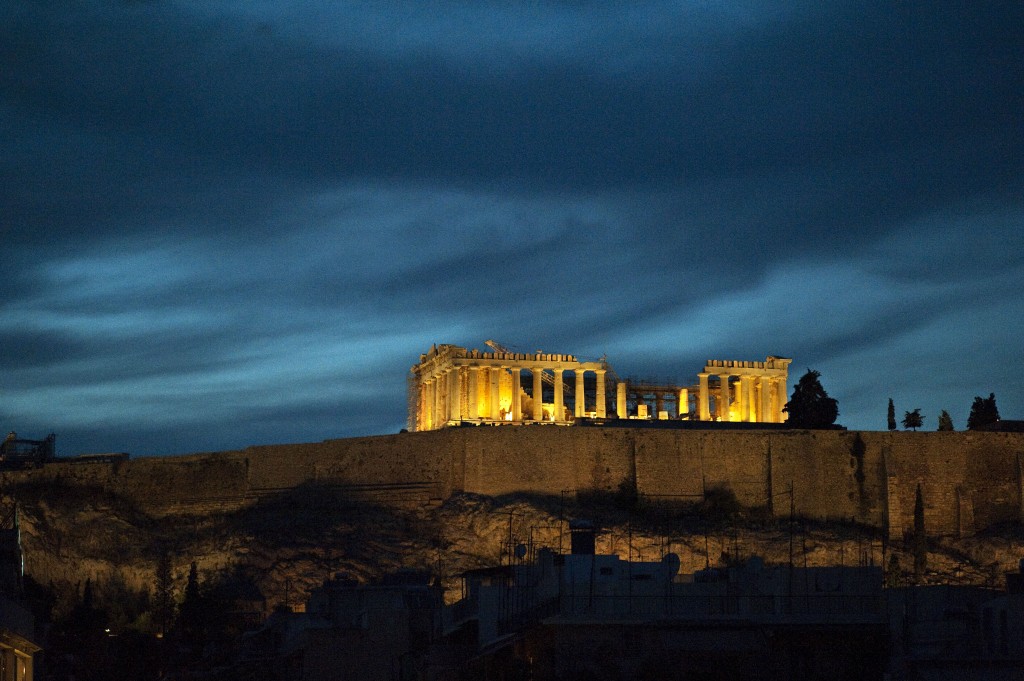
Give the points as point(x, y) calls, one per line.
point(587, 616)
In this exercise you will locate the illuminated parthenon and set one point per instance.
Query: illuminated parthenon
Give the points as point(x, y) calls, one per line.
point(452, 385)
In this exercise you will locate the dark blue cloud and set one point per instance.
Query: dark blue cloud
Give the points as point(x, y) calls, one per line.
point(220, 222)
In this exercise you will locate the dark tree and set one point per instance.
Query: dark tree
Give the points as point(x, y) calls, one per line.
point(892, 415)
point(892, 572)
point(945, 421)
point(983, 412)
point(920, 541)
point(87, 597)
point(913, 419)
point(810, 406)
point(192, 586)
point(163, 599)
point(81, 633)
point(194, 615)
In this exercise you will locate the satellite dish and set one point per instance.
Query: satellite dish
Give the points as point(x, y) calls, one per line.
point(520, 551)
point(671, 563)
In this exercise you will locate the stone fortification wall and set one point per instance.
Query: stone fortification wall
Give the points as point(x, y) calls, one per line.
point(829, 474)
point(195, 483)
point(381, 464)
point(386, 469)
point(968, 480)
point(544, 459)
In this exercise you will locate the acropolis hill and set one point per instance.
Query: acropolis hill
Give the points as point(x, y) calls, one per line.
point(76, 515)
point(969, 480)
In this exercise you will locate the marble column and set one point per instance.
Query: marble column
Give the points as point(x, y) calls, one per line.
point(755, 399)
point(723, 397)
point(431, 404)
point(683, 409)
point(428, 405)
point(602, 399)
point(581, 398)
point(764, 401)
point(742, 398)
point(538, 393)
point(755, 394)
point(439, 400)
point(455, 403)
point(494, 386)
point(421, 403)
point(746, 401)
point(517, 387)
point(781, 388)
point(559, 395)
point(473, 393)
point(703, 398)
point(620, 400)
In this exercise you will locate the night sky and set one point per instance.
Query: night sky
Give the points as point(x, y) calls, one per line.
point(239, 222)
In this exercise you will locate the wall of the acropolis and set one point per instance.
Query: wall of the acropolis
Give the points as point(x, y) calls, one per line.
point(969, 480)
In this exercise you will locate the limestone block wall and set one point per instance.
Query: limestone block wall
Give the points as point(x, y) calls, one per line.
point(969, 480)
point(420, 458)
point(154, 485)
point(668, 467)
point(832, 475)
point(545, 459)
point(735, 460)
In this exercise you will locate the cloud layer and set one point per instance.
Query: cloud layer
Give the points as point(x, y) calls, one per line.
point(229, 223)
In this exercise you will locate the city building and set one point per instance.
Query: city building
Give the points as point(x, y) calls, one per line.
point(17, 625)
point(371, 632)
point(584, 615)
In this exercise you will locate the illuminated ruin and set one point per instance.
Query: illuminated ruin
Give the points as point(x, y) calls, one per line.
point(452, 385)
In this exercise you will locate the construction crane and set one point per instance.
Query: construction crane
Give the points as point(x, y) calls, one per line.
point(496, 346)
point(547, 378)
point(569, 388)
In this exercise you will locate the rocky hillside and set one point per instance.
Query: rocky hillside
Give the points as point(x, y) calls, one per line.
point(289, 543)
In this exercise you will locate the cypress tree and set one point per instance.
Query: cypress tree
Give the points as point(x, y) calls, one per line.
point(913, 419)
point(163, 601)
point(810, 406)
point(983, 412)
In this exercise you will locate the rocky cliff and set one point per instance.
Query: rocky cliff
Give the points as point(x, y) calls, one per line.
point(288, 517)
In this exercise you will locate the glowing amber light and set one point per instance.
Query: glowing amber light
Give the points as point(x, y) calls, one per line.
point(453, 385)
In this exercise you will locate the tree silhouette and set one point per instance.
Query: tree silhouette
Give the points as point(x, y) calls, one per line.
point(945, 421)
point(82, 632)
point(913, 419)
point(983, 412)
point(163, 599)
point(892, 415)
point(192, 614)
point(810, 406)
point(892, 572)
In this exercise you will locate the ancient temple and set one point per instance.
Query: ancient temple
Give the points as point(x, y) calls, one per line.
point(452, 385)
